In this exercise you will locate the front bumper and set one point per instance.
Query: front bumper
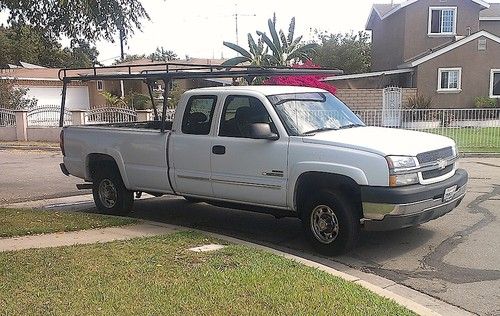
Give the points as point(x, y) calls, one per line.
point(387, 208)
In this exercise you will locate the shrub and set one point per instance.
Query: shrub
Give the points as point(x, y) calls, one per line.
point(485, 102)
point(419, 101)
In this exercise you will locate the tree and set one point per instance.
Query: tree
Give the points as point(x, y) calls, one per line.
point(349, 52)
point(29, 44)
point(162, 54)
point(12, 97)
point(286, 50)
point(91, 20)
point(256, 56)
point(129, 57)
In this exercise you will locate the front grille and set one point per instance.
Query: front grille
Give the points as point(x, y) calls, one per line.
point(434, 155)
point(436, 172)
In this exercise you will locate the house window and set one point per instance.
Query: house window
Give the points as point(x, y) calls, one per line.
point(495, 83)
point(100, 85)
point(442, 20)
point(449, 79)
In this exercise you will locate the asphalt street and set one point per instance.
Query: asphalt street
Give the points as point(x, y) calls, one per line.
point(455, 258)
point(31, 175)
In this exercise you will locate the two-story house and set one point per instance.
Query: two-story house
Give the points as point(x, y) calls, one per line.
point(447, 49)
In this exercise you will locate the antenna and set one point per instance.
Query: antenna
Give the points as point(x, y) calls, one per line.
point(236, 14)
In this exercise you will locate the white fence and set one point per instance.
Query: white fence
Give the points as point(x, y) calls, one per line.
point(471, 128)
point(47, 115)
point(7, 117)
point(110, 115)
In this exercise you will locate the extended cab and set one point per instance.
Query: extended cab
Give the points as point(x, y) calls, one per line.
point(288, 151)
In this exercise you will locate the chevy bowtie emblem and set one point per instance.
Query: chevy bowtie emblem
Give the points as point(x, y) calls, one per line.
point(441, 164)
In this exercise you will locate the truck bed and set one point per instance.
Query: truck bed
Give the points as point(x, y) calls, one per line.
point(140, 125)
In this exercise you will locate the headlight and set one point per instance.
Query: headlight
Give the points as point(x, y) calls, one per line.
point(400, 170)
point(400, 162)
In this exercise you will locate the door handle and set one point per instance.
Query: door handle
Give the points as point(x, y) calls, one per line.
point(219, 150)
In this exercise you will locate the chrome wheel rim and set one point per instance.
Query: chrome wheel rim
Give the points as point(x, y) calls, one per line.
point(324, 224)
point(107, 193)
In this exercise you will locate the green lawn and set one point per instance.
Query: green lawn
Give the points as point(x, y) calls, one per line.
point(159, 276)
point(18, 222)
point(486, 139)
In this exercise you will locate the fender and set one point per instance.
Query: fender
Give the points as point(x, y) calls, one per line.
point(115, 154)
point(314, 166)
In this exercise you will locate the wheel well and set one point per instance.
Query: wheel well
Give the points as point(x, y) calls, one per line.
point(313, 182)
point(96, 162)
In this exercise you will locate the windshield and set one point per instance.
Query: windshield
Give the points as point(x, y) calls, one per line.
point(310, 113)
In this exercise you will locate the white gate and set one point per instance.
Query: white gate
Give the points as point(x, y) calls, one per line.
point(391, 106)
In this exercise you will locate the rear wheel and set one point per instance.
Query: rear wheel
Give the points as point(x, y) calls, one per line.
point(331, 223)
point(110, 194)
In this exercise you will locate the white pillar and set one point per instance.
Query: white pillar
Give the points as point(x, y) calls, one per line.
point(143, 115)
point(21, 125)
point(78, 117)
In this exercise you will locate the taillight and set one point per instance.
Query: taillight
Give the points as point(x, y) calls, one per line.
point(61, 142)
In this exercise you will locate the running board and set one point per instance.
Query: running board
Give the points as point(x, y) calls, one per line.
point(84, 186)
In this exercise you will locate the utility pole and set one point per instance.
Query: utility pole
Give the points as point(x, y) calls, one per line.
point(122, 39)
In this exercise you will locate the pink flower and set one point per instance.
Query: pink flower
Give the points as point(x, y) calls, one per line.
point(302, 81)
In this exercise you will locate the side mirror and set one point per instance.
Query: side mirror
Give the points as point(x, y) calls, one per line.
point(262, 131)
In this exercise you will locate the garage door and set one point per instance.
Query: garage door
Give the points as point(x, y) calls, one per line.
point(76, 97)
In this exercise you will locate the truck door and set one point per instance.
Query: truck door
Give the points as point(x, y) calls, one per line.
point(192, 145)
point(245, 169)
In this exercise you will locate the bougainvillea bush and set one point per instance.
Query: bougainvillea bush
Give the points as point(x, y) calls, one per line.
point(302, 81)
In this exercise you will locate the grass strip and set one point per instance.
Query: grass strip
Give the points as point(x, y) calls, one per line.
point(21, 222)
point(159, 276)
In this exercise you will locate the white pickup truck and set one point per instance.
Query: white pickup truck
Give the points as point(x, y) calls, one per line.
point(287, 151)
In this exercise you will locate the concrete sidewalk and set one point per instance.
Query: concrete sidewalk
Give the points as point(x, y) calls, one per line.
point(82, 237)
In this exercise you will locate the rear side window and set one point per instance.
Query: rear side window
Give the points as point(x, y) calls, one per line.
point(198, 115)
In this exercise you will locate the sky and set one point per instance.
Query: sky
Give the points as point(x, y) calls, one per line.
point(198, 28)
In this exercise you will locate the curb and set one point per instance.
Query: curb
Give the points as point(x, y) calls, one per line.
point(28, 147)
point(480, 155)
point(415, 301)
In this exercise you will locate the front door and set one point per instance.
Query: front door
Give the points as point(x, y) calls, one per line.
point(191, 147)
point(245, 169)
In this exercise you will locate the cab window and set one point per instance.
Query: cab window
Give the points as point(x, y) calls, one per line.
point(239, 113)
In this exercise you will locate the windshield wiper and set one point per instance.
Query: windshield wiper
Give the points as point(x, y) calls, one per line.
point(350, 126)
point(323, 129)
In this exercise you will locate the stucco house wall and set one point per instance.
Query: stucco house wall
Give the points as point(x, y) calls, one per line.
point(476, 70)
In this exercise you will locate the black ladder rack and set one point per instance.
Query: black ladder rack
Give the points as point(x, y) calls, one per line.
point(167, 72)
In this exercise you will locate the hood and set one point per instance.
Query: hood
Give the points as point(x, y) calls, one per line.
point(382, 141)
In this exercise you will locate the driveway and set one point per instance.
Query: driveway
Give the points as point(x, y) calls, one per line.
point(455, 258)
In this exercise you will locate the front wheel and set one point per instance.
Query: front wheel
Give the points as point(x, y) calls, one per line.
point(331, 223)
point(110, 194)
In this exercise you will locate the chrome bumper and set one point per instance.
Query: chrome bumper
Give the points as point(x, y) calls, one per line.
point(387, 208)
point(377, 211)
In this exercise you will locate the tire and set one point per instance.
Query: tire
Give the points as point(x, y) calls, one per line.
point(319, 216)
point(192, 199)
point(110, 194)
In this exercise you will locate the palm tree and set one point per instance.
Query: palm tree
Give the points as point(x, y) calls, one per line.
point(257, 56)
point(285, 49)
